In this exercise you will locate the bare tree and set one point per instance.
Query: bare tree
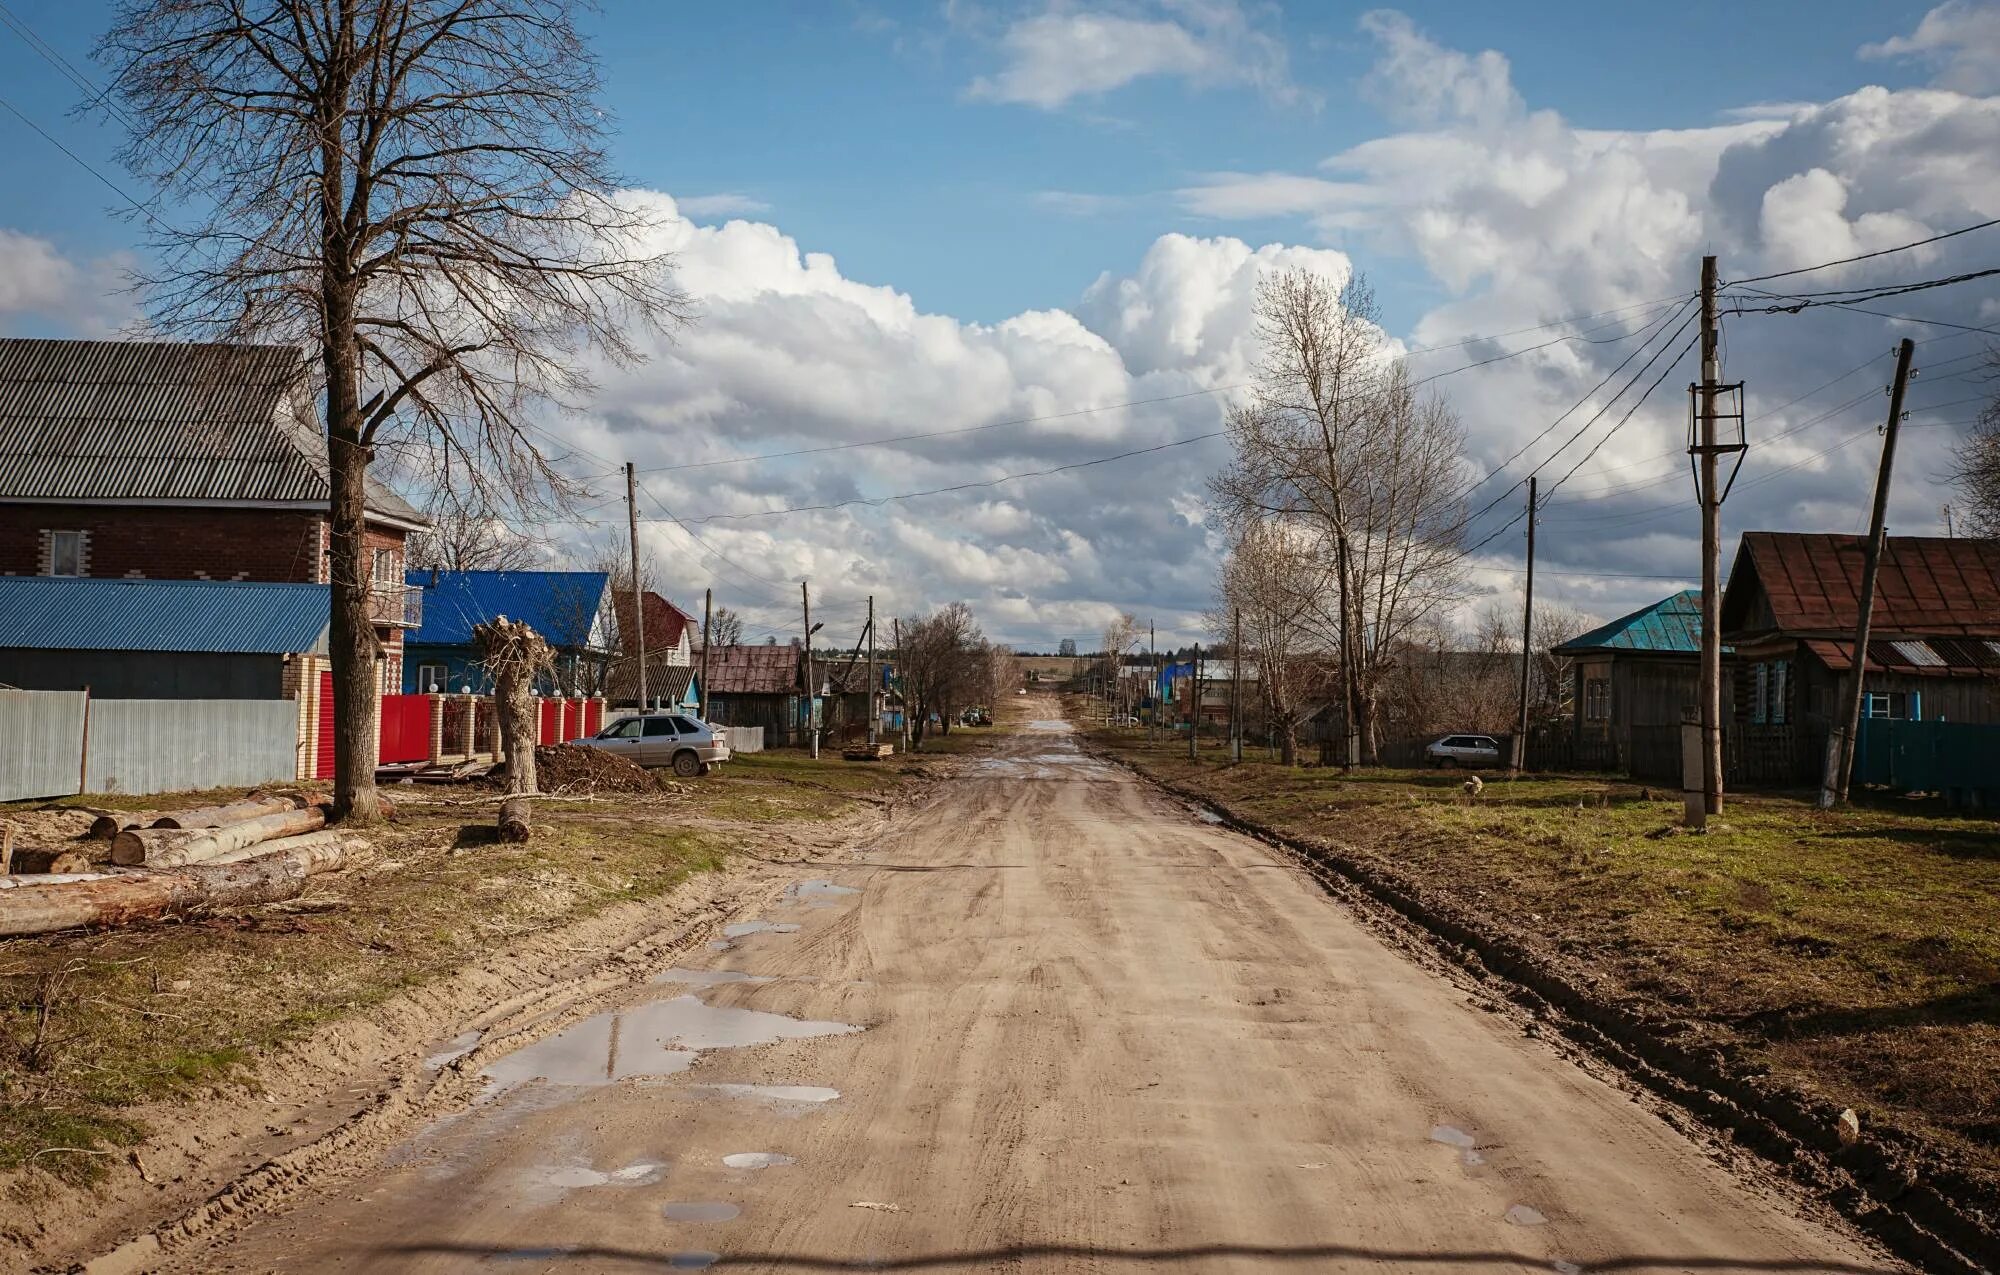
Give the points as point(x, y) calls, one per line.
point(1338, 446)
point(725, 627)
point(940, 657)
point(1275, 585)
point(470, 538)
point(1976, 467)
point(416, 193)
point(1553, 686)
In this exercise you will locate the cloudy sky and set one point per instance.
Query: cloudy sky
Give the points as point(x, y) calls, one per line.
point(1031, 233)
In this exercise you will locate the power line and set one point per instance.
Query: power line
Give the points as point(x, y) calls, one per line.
point(80, 162)
point(51, 55)
point(1866, 256)
point(1807, 300)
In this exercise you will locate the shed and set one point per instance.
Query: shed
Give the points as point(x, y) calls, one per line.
point(1633, 677)
point(161, 639)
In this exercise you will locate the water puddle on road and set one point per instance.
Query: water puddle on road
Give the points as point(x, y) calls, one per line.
point(786, 1095)
point(756, 1160)
point(660, 1038)
point(700, 1211)
point(578, 1177)
point(1453, 1136)
point(453, 1050)
point(819, 893)
point(742, 929)
point(1523, 1215)
point(706, 978)
point(1207, 816)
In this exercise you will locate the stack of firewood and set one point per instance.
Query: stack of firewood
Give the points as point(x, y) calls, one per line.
point(259, 850)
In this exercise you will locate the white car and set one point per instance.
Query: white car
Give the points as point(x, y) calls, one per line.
point(689, 745)
point(1464, 750)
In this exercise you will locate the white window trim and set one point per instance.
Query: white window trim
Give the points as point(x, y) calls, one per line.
point(82, 552)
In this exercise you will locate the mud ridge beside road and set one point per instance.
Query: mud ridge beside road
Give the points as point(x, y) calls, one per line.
point(1896, 1189)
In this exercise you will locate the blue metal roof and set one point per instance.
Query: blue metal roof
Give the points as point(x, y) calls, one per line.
point(1671, 626)
point(563, 606)
point(62, 613)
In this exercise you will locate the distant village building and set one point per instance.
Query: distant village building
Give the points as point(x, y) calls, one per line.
point(1633, 677)
point(571, 609)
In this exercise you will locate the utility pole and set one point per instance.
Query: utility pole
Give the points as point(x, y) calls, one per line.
point(812, 689)
point(874, 678)
point(1527, 639)
point(1708, 448)
point(1194, 707)
point(896, 632)
point(1949, 534)
point(1877, 530)
point(1153, 658)
point(638, 595)
point(1236, 691)
point(707, 610)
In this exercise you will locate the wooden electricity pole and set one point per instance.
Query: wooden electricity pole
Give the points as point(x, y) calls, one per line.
point(896, 632)
point(1520, 749)
point(1194, 706)
point(874, 679)
point(1153, 658)
point(638, 594)
point(707, 610)
point(812, 699)
point(1236, 691)
point(1708, 448)
point(1871, 564)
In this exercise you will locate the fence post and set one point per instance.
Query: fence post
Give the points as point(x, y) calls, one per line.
point(437, 727)
point(1829, 786)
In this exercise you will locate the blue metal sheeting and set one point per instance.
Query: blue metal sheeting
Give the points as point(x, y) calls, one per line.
point(563, 606)
point(1671, 626)
point(235, 617)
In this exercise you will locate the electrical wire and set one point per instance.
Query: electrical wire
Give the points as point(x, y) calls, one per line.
point(1866, 256)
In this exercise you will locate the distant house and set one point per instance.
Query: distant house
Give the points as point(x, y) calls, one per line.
point(569, 608)
point(848, 700)
point(667, 685)
point(162, 639)
point(1633, 676)
point(180, 461)
point(760, 686)
point(1790, 609)
point(672, 635)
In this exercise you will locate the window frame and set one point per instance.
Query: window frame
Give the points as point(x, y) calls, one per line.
point(1596, 699)
point(79, 538)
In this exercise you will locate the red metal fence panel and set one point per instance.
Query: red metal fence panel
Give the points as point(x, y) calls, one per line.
point(406, 729)
point(548, 722)
point(593, 716)
point(323, 759)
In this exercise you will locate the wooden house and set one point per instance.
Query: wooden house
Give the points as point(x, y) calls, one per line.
point(1790, 609)
point(1632, 678)
point(760, 686)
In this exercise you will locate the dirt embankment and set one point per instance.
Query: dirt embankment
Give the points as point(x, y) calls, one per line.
point(1760, 978)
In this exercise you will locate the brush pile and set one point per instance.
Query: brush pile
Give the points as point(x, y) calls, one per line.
point(575, 769)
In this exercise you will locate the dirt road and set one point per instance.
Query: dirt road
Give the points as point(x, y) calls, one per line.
point(1050, 1021)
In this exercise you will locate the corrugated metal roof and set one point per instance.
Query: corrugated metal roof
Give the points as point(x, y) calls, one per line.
point(1937, 657)
point(667, 683)
point(1928, 586)
point(753, 670)
point(564, 606)
point(1671, 626)
point(62, 613)
point(168, 421)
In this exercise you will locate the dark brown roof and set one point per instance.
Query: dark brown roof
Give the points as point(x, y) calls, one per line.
point(164, 421)
point(665, 682)
point(1927, 586)
point(753, 670)
point(1919, 657)
point(665, 622)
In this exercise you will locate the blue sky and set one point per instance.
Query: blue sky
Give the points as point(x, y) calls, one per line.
point(898, 218)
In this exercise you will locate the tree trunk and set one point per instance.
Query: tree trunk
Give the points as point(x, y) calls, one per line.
point(351, 639)
point(280, 845)
point(47, 859)
point(168, 847)
point(513, 694)
point(139, 896)
point(106, 827)
point(515, 823)
point(222, 816)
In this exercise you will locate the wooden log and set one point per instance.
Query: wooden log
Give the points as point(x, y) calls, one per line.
point(27, 879)
point(282, 845)
point(172, 847)
point(6, 848)
point(38, 859)
point(137, 896)
point(223, 816)
point(107, 826)
point(516, 819)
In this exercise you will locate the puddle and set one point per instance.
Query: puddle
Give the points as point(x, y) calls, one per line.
point(660, 1038)
point(700, 1211)
point(720, 945)
point(1453, 1136)
point(1045, 724)
point(776, 1093)
point(1565, 1268)
point(756, 1160)
point(1522, 1215)
point(820, 892)
point(454, 1049)
point(577, 1177)
point(1207, 816)
point(692, 1260)
point(706, 978)
point(742, 928)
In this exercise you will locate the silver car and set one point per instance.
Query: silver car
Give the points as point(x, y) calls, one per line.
point(687, 744)
point(1464, 750)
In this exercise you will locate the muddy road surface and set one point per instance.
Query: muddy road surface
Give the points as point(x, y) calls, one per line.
point(1050, 1021)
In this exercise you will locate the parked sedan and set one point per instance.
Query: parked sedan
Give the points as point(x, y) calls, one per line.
point(1464, 750)
point(662, 739)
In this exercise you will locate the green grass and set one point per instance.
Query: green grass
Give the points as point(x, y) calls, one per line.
point(1855, 952)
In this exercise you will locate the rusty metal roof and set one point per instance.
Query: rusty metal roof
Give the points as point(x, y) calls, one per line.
point(753, 670)
point(1927, 587)
point(1933, 657)
point(163, 421)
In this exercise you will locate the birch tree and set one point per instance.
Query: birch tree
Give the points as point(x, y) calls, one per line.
point(1275, 585)
point(416, 194)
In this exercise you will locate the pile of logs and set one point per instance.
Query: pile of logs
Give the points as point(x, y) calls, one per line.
point(260, 850)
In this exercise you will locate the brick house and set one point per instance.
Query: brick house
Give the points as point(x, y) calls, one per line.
point(180, 461)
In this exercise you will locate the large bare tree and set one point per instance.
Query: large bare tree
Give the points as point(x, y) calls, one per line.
point(1274, 584)
point(415, 193)
point(942, 657)
point(1977, 465)
point(474, 537)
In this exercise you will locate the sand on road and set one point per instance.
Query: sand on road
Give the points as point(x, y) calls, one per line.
point(1049, 1021)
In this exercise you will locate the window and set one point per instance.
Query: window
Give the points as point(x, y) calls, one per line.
point(66, 553)
point(1892, 705)
point(1597, 699)
point(432, 678)
point(684, 726)
point(1781, 677)
point(1760, 690)
point(386, 574)
point(628, 728)
point(656, 726)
